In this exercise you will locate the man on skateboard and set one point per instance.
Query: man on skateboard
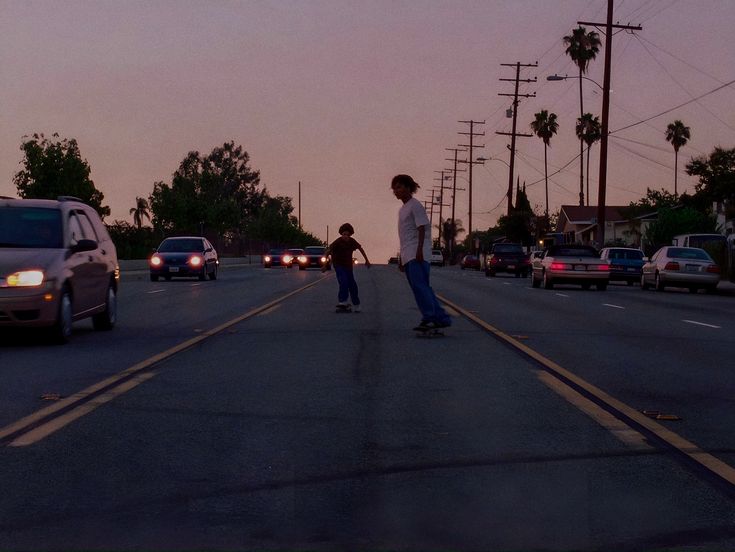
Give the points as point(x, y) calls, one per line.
point(341, 251)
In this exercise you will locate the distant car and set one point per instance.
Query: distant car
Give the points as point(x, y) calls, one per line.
point(185, 256)
point(685, 267)
point(57, 265)
point(273, 258)
point(437, 257)
point(625, 263)
point(470, 261)
point(313, 257)
point(508, 257)
point(570, 264)
point(289, 257)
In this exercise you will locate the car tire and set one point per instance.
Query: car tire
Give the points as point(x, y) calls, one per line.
point(154, 277)
point(60, 332)
point(548, 283)
point(106, 319)
point(659, 284)
point(534, 282)
point(644, 284)
point(213, 274)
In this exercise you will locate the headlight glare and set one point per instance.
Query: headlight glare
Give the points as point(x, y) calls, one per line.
point(25, 278)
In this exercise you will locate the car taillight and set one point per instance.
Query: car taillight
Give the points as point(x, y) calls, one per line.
point(561, 266)
point(156, 260)
point(195, 260)
point(603, 267)
point(713, 269)
point(671, 265)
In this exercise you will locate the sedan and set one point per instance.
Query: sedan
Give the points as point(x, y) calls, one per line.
point(470, 261)
point(313, 257)
point(290, 256)
point(186, 256)
point(273, 258)
point(570, 264)
point(686, 267)
point(625, 263)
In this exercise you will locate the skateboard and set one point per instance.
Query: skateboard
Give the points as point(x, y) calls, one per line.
point(343, 308)
point(429, 332)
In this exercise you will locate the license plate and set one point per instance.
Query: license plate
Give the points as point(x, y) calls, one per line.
point(630, 269)
point(511, 266)
point(580, 267)
point(692, 268)
point(173, 269)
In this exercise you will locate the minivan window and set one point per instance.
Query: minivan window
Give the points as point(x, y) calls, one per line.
point(30, 227)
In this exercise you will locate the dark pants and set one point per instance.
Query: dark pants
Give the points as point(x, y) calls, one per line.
point(417, 274)
point(347, 285)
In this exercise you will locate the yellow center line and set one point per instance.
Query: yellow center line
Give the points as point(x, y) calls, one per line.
point(48, 427)
point(704, 459)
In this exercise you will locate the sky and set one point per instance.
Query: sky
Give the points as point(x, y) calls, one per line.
point(341, 95)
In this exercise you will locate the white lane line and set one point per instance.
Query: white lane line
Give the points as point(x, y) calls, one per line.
point(701, 324)
point(612, 306)
point(156, 291)
point(561, 294)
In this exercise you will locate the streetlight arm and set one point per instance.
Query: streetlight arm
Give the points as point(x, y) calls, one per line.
point(565, 77)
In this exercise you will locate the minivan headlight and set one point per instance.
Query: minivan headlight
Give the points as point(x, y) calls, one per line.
point(25, 278)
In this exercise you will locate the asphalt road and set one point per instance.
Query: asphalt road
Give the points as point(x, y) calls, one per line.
point(245, 414)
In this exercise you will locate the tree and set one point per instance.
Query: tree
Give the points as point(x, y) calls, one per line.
point(716, 177)
point(219, 192)
point(545, 126)
point(451, 228)
point(589, 131)
point(671, 222)
point(582, 47)
point(678, 134)
point(140, 211)
point(53, 168)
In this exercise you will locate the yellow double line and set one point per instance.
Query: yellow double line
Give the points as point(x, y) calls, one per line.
point(46, 421)
point(626, 414)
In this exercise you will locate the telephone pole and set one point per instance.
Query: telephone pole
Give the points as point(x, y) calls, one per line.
point(454, 194)
point(441, 180)
point(513, 134)
point(470, 162)
point(602, 179)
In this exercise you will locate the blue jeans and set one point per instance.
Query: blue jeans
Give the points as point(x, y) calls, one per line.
point(347, 285)
point(417, 273)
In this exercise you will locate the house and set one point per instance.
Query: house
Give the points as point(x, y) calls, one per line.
point(580, 221)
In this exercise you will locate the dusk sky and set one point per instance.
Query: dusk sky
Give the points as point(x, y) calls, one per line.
point(342, 95)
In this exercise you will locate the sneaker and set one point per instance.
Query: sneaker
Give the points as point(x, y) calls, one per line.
point(343, 304)
point(426, 325)
point(356, 308)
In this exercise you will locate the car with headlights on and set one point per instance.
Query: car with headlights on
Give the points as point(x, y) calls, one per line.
point(57, 265)
point(570, 264)
point(625, 263)
point(184, 256)
point(313, 257)
point(683, 267)
point(289, 257)
point(508, 257)
point(274, 257)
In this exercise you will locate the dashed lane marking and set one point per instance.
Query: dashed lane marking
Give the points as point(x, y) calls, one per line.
point(702, 324)
point(612, 306)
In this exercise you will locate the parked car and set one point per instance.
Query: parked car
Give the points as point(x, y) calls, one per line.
point(313, 257)
point(686, 267)
point(57, 265)
point(625, 263)
point(470, 261)
point(289, 257)
point(437, 257)
point(184, 256)
point(508, 257)
point(570, 264)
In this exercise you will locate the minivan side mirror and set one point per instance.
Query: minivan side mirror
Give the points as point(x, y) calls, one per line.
point(83, 245)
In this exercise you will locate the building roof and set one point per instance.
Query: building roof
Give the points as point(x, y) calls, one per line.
point(587, 214)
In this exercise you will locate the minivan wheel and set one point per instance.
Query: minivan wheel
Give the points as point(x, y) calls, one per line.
point(61, 330)
point(106, 319)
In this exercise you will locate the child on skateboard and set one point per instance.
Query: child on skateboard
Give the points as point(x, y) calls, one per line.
point(415, 252)
point(341, 251)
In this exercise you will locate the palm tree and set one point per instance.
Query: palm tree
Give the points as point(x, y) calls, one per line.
point(545, 126)
point(451, 228)
point(589, 131)
point(140, 210)
point(582, 47)
point(678, 134)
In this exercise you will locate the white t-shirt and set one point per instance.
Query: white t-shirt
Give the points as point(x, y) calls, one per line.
point(411, 216)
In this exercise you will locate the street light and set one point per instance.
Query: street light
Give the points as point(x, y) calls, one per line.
point(565, 77)
point(493, 159)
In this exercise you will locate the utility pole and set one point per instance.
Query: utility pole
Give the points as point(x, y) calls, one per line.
point(602, 179)
point(454, 193)
point(513, 134)
point(299, 204)
point(441, 199)
point(470, 162)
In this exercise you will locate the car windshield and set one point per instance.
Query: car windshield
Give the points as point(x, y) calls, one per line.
point(573, 252)
point(626, 254)
point(688, 253)
point(181, 245)
point(316, 250)
point(507, 249)
point(30, 227)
